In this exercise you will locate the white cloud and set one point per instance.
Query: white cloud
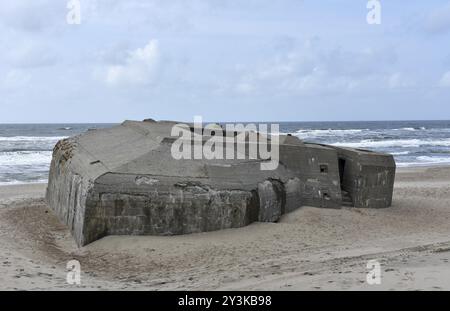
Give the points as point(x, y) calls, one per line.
point(311, 70)
point(140, 67)
point(445, 80)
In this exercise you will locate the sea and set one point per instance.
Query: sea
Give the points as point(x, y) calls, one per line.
point(26, 149)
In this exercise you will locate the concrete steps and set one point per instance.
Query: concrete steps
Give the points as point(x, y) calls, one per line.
point(346, 199)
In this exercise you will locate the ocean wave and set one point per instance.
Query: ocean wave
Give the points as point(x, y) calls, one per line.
point(424, 161)
point(400, 153)
point(30, 158)
point(18, 182)
point(31, 138)
point(405, 143)
point(33, 149)
point(305, 133)
point(438, 151)
point(411, 129)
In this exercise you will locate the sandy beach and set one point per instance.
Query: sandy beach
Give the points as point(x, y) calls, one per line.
point(309, 249)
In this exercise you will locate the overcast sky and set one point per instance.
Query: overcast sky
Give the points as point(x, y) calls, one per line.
point(226, 60)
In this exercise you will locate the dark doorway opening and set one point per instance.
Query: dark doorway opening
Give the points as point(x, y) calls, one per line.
point(346, 197)
point(341, 170)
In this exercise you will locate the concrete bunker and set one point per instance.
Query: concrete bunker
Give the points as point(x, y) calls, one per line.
point(124, 181)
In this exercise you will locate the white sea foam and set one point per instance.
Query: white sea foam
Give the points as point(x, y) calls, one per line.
point(400, 153)
point(32, 138)
point(429, 159)
point(425, 161)
point(329, 132)
point(31, 158)
point(406, 143)
point(17, 182)
point(411, 129)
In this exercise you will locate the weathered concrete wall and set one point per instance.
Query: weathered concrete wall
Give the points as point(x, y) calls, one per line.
point(158, 205)
point(317, 169)
point(189, 210)
point(67, 190)
point(368, 177)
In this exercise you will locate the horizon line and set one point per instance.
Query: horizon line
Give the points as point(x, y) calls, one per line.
point(263, 121)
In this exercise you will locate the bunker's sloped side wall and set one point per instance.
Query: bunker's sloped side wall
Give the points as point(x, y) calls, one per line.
point(368, 178)
point(67, 190)
point(124, 204)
